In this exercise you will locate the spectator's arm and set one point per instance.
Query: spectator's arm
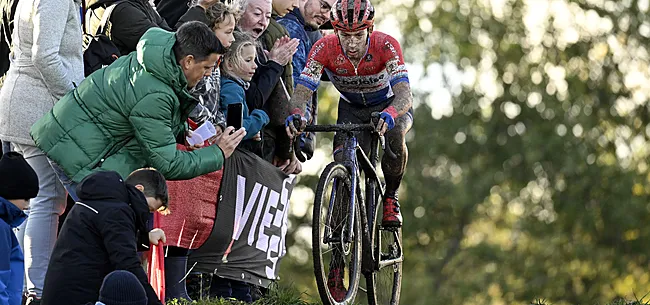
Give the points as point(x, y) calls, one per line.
point(118, 231)
point(299, 60)
point(231, 93)
point(128, 24)
point(50, 18)
point(309, 80)
point(196, 13)
point(296, 30)
point(255, 122)
point(5, 264)
point(152, 124)
point(266, 77)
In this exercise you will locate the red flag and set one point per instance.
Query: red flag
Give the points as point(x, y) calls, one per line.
point(156, 266)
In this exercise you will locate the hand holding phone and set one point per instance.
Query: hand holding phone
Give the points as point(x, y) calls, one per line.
point(235, 116)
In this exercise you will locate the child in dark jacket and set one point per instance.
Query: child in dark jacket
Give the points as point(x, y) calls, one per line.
point(238, 67)
point(103, 233)
point(18, 184)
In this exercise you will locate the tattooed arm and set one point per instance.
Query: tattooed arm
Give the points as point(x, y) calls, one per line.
point(403, 98)
point(306, 85)
point(301, 96)
point(399, 79)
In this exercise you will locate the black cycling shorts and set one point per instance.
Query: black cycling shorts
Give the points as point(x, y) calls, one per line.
point(353, 114)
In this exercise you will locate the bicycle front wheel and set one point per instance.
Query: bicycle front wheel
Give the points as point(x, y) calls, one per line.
point(385, 283)
point(336, 248)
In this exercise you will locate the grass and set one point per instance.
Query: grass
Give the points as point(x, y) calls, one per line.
point(615, 302)
point(276, 296)
point(291, 296)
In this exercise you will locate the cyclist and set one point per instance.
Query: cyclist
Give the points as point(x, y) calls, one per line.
point(367, 68)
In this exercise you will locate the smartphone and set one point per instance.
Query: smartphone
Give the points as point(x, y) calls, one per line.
point(235, 116)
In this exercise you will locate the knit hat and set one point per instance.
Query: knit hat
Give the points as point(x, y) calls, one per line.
point(122, 287)
point(17, 179)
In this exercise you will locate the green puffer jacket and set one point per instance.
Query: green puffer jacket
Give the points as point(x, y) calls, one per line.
point(127, 116)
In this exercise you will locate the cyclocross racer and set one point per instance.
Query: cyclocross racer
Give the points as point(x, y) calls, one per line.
point(367, 68)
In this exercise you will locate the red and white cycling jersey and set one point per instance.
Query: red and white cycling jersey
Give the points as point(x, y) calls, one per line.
point(366, 85)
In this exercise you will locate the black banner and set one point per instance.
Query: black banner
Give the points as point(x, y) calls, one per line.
point(248, 238)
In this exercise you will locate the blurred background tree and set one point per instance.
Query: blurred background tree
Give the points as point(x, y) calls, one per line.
point(528, 167)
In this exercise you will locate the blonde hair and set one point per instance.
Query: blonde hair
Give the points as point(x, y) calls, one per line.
point(234, 56)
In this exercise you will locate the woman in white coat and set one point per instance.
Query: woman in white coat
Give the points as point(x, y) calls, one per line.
point(46, 63)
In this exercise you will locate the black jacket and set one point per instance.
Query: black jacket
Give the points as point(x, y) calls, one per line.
point(129, 21)
point(172, 10)
point(266, 76)
point(98, 236)
point(195, 13)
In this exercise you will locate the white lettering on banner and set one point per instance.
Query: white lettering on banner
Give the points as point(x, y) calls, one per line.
point(262, 238)
point(260, 206)
point(241, 215)
point(265, 218)
point(270, 271)
point(284, 199)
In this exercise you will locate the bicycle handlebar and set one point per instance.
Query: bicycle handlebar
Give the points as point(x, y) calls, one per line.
point(295, 145)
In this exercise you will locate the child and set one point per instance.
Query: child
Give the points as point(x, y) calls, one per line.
point(103, 233)
point(238, 67)
point(121, 288)
point(221, 19)
point(19, 184)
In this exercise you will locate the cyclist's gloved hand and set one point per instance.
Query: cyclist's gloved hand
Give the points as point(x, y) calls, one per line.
point(388, 119)
point(388, 115)
point(295, 123)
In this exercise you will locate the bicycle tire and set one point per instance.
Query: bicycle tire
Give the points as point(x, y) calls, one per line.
point(335, 171)
point(384, 284)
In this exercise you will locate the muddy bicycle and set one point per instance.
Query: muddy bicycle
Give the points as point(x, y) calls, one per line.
point(348, 240)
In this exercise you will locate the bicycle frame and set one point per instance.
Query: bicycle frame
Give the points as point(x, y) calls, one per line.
point(355, 159)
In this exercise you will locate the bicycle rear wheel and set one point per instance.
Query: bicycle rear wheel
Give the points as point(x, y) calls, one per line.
point(336, 250)
point(385, 283)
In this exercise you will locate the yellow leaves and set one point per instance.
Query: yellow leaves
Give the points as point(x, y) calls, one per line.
point(631, 235)
point(637, 189)
point(495, 290)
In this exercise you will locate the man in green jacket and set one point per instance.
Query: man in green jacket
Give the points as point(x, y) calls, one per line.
point(132, 113)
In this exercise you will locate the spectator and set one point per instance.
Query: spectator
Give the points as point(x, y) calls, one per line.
point(128, 22)
point(19, 184)
point(121, 288)
point(304, 23)
point(139, 107)
point(46, 63)
point(239, 67)
point(276, 143)
point(191, 223)
point(103, 233)
point(270, 66)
